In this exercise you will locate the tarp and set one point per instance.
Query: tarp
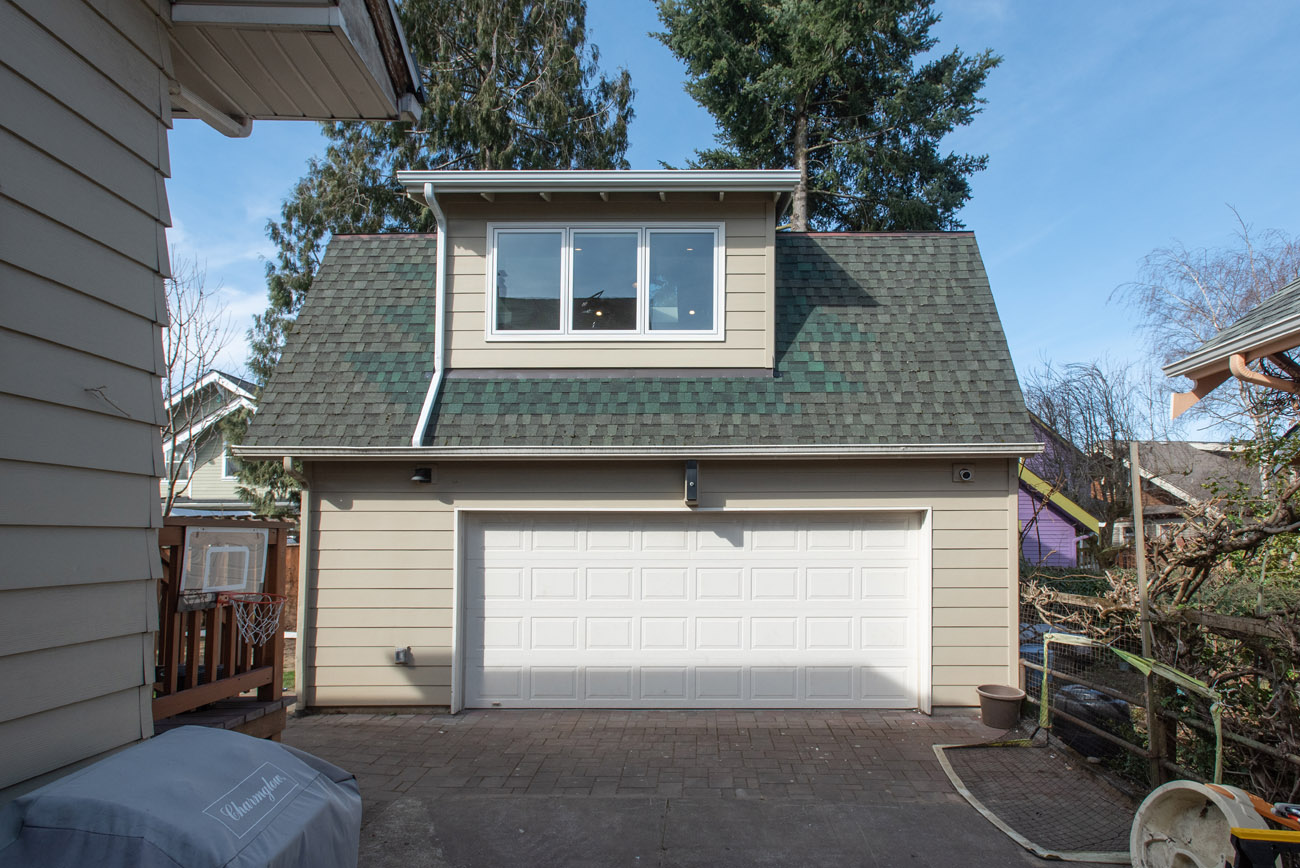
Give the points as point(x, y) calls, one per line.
point(196, 797)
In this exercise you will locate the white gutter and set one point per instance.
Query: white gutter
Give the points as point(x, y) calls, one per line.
point(602, 180)
point(864, 450)
point(439, 318)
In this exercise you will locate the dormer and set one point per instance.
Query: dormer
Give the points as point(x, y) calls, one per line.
point(607, 269)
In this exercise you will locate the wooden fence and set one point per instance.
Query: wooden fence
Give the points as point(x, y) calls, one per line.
point(200, 657)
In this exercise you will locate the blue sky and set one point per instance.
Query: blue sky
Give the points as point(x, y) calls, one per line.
point(1112, 129)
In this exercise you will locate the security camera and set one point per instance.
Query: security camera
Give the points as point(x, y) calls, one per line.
point(962, 473)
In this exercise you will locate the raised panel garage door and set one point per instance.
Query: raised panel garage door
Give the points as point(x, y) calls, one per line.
point(754, 610)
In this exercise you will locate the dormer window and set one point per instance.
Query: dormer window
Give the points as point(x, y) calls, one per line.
point(605, 282)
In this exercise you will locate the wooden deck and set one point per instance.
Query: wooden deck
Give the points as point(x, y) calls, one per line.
point(202, 665)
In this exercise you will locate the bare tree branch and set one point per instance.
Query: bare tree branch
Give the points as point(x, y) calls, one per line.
point(198, 330)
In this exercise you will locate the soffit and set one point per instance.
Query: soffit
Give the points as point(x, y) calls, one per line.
point(236, 61)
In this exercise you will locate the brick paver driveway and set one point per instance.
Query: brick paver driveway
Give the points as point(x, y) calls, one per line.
point(658, 788)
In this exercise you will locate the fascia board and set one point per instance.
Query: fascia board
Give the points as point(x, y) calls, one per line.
point(206, 380)
point(596, 181)
point(1058, 499)
point(1216, 358)
point(208, 421)
point(866, 450)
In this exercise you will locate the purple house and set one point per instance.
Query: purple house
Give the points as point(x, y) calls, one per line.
point(1052, 525)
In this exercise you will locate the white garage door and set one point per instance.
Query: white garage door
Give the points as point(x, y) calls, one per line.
point(702, 610)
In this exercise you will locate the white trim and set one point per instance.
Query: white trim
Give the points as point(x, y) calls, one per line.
point(222, 380)
point(226, 458)
point(868, 450)
point(457, 612)
point(439, 316)
point(642, 333)
point(197, 428)
point(925, 612)
point(601, 181)
point(925, 574)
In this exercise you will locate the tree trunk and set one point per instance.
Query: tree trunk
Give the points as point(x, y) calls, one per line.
point(799, 206)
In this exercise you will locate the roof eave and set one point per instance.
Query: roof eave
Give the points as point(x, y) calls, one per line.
point(1274, 338)
point(862, 450)
point(776, 181)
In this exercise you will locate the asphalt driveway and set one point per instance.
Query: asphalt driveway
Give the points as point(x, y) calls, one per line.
point(658, 788)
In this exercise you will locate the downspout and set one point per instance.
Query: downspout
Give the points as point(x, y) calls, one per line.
point(306, 693)
point(440, 320)
point(1237, 364)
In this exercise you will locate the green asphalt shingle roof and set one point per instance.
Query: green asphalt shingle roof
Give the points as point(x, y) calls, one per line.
point(881, 339)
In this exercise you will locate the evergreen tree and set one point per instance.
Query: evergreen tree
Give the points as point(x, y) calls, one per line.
point(843, 90)
point(509, 84)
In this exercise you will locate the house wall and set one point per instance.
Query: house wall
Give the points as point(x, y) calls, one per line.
point(207, 483)
point(382, 558)
point(1050, 541)
point(749, 225)
point(83, 124)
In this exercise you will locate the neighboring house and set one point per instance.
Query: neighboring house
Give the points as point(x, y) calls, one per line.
point(608, 439)
point(90, 89)
point(198, 458)
point(1269, 331)
point(1053, 528)
point(1181, 475)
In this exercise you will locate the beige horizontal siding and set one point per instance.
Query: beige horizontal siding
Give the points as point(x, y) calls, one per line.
point(45, 617)
point(52, 495)
point(43, 557)
point(82, 29)
point(42, 246)
point(52, 312)
point(409, 694)
point(82, 258)
point(383, 578)
point(73, 141)
point(75, 201)
point(53, 434)
point(384, 552)
point(41, 56)
point(206, 482)
point(89, 669)
point(39, 743)
point(36, 369)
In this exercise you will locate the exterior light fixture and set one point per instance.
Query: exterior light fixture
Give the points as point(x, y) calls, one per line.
point(422, 475)
point(692, 482)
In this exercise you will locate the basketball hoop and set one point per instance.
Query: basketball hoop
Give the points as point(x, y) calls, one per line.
point(256, 615)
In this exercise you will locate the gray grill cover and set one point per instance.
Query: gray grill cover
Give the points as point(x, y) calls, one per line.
point(195, 797)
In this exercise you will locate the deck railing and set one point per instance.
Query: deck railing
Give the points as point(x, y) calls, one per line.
point(199, 655)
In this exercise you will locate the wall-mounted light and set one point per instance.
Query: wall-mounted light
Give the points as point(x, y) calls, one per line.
point(422, 475)
point(692, 482)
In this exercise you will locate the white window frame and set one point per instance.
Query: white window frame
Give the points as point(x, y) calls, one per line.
point(643, 332)
point(227, 472)
point(186, 465)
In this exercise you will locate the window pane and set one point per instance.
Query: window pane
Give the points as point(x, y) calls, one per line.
point(681, 281)
point(528, 281)
point(604, 281)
